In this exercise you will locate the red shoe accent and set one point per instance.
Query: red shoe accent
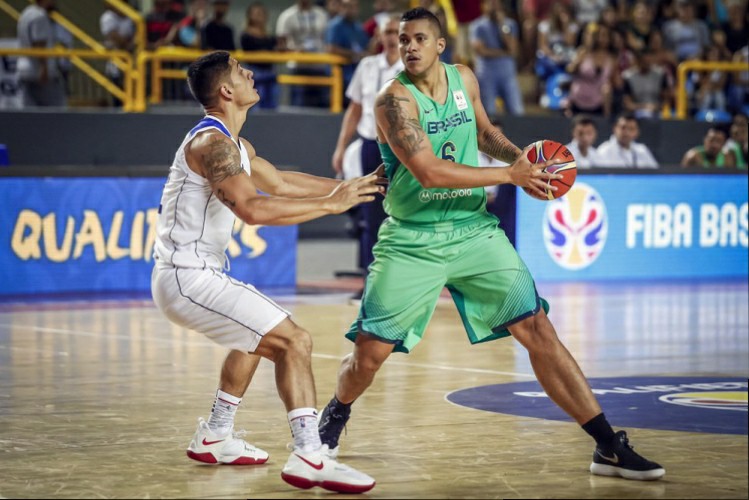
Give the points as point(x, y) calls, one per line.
point(314, 466)
point(305, 484)
point(208, 443)
point(247, 461)
point(206, 458)
point(346, 488)
point(298, 482)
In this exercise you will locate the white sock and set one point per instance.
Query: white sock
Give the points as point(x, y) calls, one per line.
point(222, 414)
point(303, 423)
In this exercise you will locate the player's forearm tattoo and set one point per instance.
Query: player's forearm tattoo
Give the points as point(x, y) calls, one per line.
point(221, 162)
point(496, 145)
point(403, 131)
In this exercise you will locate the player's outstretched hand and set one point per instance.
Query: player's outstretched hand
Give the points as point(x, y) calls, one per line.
point(353, 192)
point(533, 176)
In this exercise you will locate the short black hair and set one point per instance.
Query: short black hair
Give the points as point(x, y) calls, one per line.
point(422, 13)
point(583, 120)
point(204, 73)
point(627, 117)
point(721, 129)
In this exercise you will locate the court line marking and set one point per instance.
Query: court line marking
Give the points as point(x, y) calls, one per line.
point(428, 366)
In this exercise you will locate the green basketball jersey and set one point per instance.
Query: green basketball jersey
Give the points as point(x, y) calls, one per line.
point(451, 128)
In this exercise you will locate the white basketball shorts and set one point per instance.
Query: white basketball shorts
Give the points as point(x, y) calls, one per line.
point(227, 311)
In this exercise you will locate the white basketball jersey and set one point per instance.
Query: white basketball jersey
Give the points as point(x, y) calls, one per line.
point(194, 227)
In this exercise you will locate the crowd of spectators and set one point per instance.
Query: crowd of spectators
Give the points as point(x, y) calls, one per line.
point(599, 57)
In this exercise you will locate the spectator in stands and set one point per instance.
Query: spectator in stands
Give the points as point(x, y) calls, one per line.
point(467, 11)
point(187, 32)
point(641, 33)
point(622, 150)
point(736, 29)
point(382, 11)
point(494, 37)
point(557, 41)
point(532, 13)
point(346, 37)
point(686, 36)
point(665, 11)
point(584, 136)
point(588, 11)
point(256, 38)
point(738, 90)
point(594, 73)
point(118, 31)
point(646, 87)
point(332, 7)
point(40, 79)
point(710, 154)
point(217, 33)
point(711, 84)
point(159, 23)
point(302, 27)
point(737, 146)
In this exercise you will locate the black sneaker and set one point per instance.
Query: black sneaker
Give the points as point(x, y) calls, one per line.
point(619, 459)
point(332, 422)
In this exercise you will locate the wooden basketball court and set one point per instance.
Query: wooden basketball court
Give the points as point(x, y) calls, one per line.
point(99, 399)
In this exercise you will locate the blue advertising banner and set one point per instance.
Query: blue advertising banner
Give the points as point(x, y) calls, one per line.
point(638, 227)
point(97, 234)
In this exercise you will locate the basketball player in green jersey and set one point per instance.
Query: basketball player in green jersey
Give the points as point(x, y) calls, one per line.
point(430, 125)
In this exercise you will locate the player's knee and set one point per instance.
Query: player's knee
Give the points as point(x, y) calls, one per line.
point(301, 343)
point(535, 333)
point(366, 364)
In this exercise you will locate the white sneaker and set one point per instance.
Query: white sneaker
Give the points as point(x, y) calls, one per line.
point(307, 469)
point(209, 448)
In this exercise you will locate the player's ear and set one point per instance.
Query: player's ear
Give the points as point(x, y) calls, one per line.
point(225, 91)
point(441, 44)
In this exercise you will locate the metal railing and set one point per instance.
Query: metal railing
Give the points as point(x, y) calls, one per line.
point(124, 94)
point(682, 99)
point(171, 54)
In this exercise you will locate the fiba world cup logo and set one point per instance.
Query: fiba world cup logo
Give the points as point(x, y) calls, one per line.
point(575, 227)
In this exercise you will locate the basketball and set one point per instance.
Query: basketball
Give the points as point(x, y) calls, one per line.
point(545, 150)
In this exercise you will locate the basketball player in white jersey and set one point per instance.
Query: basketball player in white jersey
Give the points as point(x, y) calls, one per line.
point(214, 178)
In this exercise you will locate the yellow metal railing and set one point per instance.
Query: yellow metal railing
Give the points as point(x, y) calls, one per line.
point(683, 70)
point(124, 94)
point(170, 54)
point(125, 65)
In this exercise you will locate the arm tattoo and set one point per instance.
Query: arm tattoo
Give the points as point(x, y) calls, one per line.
point(496, 145)
point(221, 162)
point(403, 131)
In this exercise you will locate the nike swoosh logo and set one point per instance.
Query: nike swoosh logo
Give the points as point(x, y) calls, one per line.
point(613, 460)
point(314, 466)
point(208, 443)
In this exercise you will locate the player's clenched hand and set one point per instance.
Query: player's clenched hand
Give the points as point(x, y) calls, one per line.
point(353, 192)
point(529, 175)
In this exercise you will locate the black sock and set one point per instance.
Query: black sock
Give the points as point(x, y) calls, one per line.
point(599, 429)
point(342, 407)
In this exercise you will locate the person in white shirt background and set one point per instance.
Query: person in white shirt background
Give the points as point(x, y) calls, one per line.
point(584, 136)
point(622, 150)
point(369, 77)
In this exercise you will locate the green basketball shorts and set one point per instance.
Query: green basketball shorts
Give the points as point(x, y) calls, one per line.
point(489, 283)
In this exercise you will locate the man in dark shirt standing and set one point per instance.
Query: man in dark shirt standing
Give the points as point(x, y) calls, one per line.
point(217, 34)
